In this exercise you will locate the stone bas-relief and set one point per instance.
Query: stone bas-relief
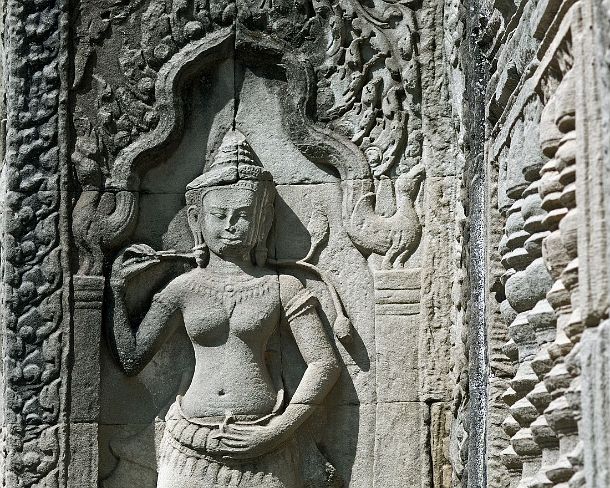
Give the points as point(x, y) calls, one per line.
point(237, 244)
point(327, 97)
point(112, 109)
point(232, 426)
point(247, 428)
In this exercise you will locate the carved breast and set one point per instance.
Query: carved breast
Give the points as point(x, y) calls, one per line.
point(215, 310)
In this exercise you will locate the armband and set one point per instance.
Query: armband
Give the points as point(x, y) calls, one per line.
point(302, 302)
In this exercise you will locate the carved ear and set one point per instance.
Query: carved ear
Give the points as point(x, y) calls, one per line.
point(192, 215)
point(260, 250)
point(265, 210)
point(202, 254)
point(260, 254)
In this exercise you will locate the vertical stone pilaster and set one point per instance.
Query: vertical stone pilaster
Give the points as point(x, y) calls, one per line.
point(397, 330)
point(34, 283)
point(397, 302)
point(85, 381)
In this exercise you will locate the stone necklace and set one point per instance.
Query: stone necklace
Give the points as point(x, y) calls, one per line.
point(238, 290)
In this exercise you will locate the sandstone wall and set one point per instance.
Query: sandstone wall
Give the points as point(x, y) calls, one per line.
point(112, 108)
point(434, 175)
point(547, 229)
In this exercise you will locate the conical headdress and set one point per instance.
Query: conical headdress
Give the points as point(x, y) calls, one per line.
point(236, 166)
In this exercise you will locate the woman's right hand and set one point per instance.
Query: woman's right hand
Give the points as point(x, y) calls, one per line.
point(133, 260)
point(238, 441)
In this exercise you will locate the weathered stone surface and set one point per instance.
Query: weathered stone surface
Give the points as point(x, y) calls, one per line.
point(344, 200)
point(304, 244)
point(553, 89)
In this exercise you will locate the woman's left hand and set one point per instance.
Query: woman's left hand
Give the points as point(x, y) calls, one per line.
point(240, 441)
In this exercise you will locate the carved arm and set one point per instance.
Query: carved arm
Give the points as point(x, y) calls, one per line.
point(135, 346)
point(323, 367)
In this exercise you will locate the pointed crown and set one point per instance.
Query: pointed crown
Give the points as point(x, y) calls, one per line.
point(235, 165)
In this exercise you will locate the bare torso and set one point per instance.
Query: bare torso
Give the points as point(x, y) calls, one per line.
point(229, 319)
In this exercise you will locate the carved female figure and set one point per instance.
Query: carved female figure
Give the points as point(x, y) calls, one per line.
point(231, 427)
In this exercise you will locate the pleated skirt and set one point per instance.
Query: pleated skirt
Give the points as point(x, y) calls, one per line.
point(183, 464)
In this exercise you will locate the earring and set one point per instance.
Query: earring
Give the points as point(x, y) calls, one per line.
point(260, 254)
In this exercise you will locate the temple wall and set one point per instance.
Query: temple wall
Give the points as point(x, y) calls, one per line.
point(113, 108)
point(547, 244)
point(410, 254)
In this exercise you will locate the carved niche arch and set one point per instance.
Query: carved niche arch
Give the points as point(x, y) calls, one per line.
point(370, 232)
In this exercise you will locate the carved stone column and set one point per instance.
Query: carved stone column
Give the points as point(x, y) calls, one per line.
point(35, 318)
point(554, 59)
point(397, 321)
point(592, 197)
point(85, 384)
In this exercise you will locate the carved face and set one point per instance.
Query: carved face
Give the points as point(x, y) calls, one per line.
point(228, 221)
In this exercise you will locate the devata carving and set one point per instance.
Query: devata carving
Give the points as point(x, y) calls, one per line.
point(309, 334)
point(304, 244)
point(348, 101)
point(232, 427)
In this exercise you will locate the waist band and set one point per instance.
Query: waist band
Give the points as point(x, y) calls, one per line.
point(176, 413)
